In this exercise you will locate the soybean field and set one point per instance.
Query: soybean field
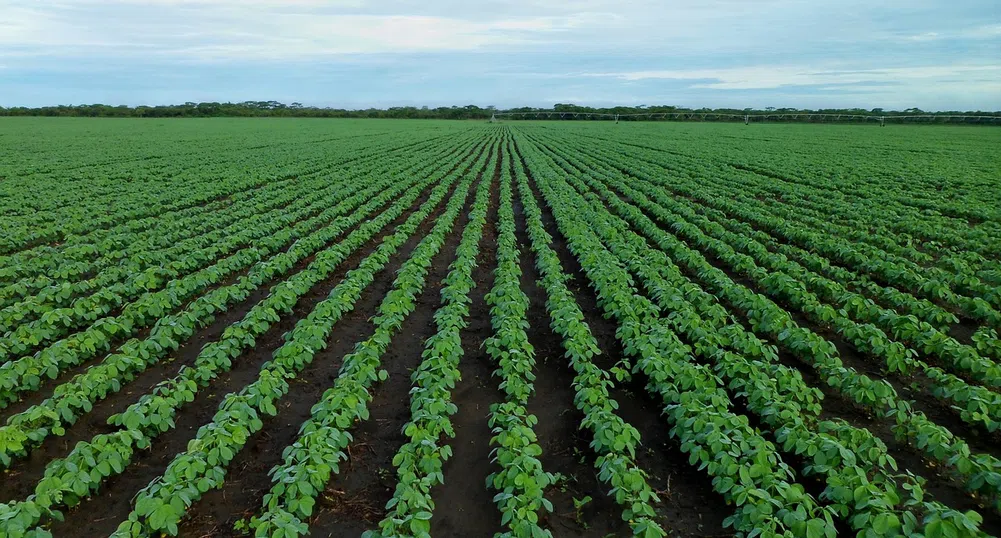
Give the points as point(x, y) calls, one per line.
point(393, 328)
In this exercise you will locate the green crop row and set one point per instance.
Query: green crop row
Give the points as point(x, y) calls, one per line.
point(615, 441)
point(160, 506)
point(310, 461)
point(859, 473)
point(521, 481)
point(420, 460)
point(68, 480)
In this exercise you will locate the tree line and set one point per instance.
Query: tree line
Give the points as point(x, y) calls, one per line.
point(246, 109)
point(468, 112)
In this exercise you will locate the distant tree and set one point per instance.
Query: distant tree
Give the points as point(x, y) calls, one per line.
point(472, 112)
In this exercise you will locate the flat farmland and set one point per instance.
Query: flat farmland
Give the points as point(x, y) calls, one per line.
point(281, 327)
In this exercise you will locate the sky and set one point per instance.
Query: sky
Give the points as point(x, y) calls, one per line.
point(893, 54)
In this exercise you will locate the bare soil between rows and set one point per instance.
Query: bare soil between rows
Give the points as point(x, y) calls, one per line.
point(354, 500)
point(114, 501)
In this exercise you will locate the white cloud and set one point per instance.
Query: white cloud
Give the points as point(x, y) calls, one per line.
point(976, 33)
point(771, 77)
point(356, 34)
point(606, 49)
point(984, 32)
point(226, 30)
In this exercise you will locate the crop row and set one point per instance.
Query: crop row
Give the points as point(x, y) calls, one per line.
point(160, 506)
point(152, 414)
point(128, 257)
point(979, 471)
point(75, 397)
point(812, 348)
point(746, 468)
point(615, 441)
point(858, 471)
point(419, 461)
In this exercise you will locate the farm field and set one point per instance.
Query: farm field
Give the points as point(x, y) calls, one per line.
point(379, 328)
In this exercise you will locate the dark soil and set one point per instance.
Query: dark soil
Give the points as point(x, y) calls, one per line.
point(564, 445)
point(355, 498)
point(964, 331)
point(48, 385)
point(30, 471)
point(316, 378)
point(464, 505)
point(689, 506)
point(354, 501)
point(944, 488)
point(243, 496)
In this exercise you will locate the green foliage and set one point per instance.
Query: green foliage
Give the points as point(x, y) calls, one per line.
point(298, 480)
point(521, 481)
point(719, 259)
point(841, 453)
point(297, 110)
point(419, 462)
point(153, 413)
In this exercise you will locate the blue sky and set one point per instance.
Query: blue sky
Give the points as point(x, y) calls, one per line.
point(935, 55)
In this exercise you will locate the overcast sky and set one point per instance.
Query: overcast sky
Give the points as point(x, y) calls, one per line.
point(931, 54)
